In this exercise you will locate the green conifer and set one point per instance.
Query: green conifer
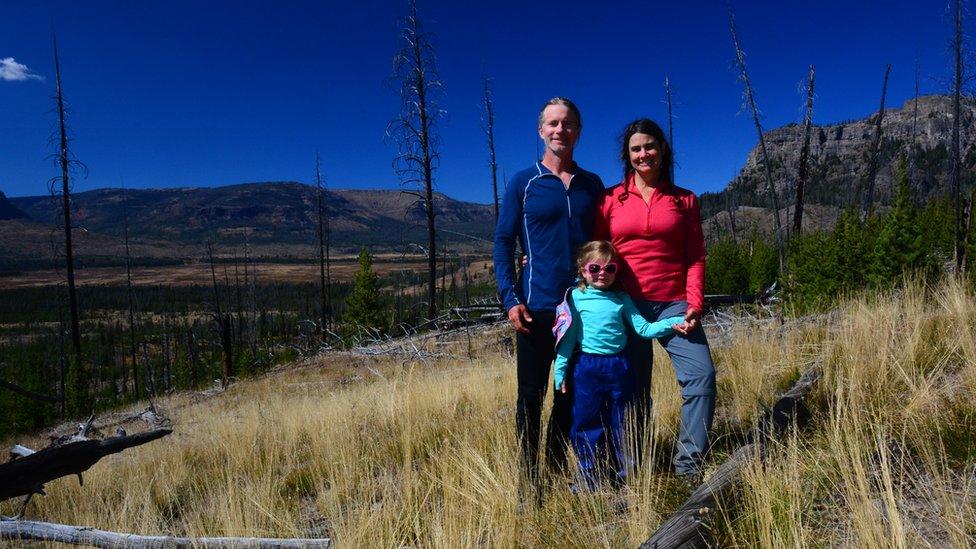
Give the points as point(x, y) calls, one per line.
point(898, 247)
point(725, 270)
point(363, 304)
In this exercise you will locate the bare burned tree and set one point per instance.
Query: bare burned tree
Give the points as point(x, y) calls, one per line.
point(874, 160)
point(730, 207)
point(489, 126)
point(667, 95)
point(414, 130)
point(325, 267)
point(803, 172)
point(750, 98)
point(223, 323)
point(915, 108)
point(129, 297)
point(958, 45)
point(65, 163)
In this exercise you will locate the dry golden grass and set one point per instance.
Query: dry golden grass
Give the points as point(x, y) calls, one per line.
point(387, 452)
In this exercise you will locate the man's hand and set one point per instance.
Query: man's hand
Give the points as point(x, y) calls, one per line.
point(520, 318)
point(692, 320)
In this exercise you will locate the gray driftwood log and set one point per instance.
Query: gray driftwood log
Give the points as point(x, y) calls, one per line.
point(26, 475)
point(82, 535)
point(688, 526)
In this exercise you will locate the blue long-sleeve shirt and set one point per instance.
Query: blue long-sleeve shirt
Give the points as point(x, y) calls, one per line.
point(551, 222)
point(599, 326)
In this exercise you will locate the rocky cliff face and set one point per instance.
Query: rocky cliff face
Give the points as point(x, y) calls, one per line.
point(839, 155)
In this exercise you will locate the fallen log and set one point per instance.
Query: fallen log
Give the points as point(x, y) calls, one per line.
point(687, 527)
point(26, 475)
point(83, 535)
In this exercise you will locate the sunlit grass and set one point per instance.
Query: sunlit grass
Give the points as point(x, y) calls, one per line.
point(387, 452)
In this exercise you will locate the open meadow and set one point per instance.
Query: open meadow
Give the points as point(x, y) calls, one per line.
point(417, 449)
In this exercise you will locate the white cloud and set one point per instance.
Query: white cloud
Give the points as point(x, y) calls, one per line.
point(12, 71)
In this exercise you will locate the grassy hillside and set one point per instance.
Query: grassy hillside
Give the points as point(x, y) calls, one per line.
point(389, 450)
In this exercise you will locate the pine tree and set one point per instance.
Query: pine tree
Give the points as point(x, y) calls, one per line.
point(763, 263)
point(725, 269)
point(899, 244)
point(362, 305)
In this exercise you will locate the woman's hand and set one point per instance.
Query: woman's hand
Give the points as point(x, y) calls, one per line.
point(691, 323)
point(562, 388)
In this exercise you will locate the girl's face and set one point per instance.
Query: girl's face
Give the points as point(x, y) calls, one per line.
point(599, 273)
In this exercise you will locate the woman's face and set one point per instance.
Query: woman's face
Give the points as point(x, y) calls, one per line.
point(645, 155)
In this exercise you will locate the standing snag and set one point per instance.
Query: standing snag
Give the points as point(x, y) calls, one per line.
point(954, 155)
point(414, 130)
point(76, 375)
point(750, 98)
point(667, 95)
point(489, 126)
point(875, 153)
point(325, 271)
point(803, 172)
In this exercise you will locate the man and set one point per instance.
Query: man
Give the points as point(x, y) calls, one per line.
point(549, 208)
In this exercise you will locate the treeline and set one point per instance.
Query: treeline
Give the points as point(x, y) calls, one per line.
point(855, 254)
point(177, 341)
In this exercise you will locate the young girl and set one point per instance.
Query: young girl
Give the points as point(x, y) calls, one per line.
point(594, 318)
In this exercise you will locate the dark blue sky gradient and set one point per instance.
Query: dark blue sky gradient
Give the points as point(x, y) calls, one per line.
point(212, 93)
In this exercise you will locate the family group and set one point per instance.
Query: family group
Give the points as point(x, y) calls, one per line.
point(601, 273)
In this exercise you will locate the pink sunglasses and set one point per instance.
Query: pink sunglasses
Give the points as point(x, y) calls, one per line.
point(596, 268)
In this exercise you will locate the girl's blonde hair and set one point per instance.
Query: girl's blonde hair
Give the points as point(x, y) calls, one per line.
point(593, 251)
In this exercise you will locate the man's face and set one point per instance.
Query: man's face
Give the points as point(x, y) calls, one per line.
point(560, 129)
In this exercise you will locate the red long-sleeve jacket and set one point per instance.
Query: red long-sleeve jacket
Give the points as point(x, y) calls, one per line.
point(660, 242)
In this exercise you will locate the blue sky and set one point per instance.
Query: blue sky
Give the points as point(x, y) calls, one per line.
point(212, 93)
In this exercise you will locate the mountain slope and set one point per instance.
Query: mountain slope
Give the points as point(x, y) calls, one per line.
point(282, 213)
point(9, 211)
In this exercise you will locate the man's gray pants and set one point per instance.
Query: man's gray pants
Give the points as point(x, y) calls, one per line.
point(696, 376)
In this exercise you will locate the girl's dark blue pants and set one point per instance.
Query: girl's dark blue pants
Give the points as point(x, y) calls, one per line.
point(600, 400)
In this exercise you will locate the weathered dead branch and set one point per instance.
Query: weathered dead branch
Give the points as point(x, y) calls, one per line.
point(84, 535)
point(688, 526)
point(27, 475)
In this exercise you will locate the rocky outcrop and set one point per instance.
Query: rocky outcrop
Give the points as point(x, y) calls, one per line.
point(840, 153)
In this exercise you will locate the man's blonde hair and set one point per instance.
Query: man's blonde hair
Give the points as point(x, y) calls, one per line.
point(564, 102)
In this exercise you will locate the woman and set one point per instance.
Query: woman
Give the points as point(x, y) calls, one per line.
point(656, 227)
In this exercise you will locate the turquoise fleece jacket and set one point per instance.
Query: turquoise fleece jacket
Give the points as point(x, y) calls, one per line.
point(598, 326)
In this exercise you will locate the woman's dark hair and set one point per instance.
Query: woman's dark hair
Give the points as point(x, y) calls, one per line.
point(647, 127)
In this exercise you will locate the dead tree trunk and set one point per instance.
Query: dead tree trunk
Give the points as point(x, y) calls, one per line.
point(667, 96)
point(86, 535)
point(803, 172)
point(414, 131)
point(222, 327)
point(27, 475)
point(740, 58)
point(489, 125)
point(868, 205)
point(64, 160)
point(689, 525)
point(130, 301)
point(325, 281)
point(954, 157)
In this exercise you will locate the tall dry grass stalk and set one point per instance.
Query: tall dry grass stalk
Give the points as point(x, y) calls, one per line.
point(382, 452)
point(891, 459)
